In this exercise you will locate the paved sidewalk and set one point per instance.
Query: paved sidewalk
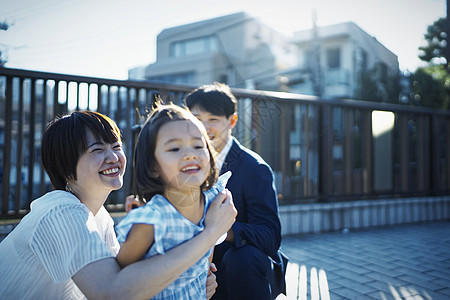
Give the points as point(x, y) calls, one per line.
point(400, 262)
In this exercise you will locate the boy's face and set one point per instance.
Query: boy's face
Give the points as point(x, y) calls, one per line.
point(218, 127)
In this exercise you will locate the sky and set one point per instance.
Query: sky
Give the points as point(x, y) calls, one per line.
point(105, 38)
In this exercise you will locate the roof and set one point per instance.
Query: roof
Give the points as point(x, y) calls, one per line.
point(213, 24)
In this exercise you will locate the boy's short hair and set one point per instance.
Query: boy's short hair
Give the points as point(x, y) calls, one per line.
point(65, 141)
point(148, 183)
point(215, 98)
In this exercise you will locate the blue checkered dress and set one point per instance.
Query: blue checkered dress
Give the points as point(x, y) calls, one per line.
point(171, 229)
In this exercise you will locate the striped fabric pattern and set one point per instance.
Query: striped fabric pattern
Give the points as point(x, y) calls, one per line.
point(55, 240)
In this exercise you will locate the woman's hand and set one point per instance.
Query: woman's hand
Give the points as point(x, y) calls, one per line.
point(211, 283)
point(221, 214)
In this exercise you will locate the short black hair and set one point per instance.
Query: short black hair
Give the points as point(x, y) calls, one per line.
point(215, 98)
point(65, 141)
point(148, 183)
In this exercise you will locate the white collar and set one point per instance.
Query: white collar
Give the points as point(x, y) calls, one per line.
point(220, 157)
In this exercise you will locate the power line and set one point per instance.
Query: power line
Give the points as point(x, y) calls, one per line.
point(36, 8)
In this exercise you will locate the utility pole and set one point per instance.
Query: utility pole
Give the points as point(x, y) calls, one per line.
point(316, 64)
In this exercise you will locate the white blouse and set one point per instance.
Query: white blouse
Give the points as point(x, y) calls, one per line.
point(57, 238)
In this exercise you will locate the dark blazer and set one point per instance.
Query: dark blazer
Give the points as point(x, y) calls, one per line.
point(257, 223)
point(254, 195)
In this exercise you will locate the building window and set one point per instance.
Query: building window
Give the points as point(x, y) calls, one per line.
point(194, 46)
point(333, 58)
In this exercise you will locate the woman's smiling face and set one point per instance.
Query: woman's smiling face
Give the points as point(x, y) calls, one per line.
point(101, 167)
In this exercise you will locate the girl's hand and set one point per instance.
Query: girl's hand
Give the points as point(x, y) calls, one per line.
point(221, 214)
point(131, 202)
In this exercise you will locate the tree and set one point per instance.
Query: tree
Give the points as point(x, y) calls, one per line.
point(3, 60)
point(430, 85)
point(378, 85)
point(436, 51)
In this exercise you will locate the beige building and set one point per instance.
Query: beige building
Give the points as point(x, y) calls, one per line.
point(233, 49)
point(240, 50)
point(333, 60)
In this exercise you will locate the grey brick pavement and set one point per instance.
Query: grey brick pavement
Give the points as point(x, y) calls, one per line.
point(400, 262)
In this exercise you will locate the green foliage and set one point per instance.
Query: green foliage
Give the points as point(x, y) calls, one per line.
point(378, 86)
point(436, 37)
point(367, 87)
point(431, 87)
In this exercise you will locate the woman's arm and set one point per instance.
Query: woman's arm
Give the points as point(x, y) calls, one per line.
point(139, 240)
point(104, 279)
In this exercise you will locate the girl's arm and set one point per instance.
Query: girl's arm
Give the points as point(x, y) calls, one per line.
point(139, 240)
point(104, 279)
point(210, 260)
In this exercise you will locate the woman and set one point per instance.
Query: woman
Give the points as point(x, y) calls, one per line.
point(65, 247)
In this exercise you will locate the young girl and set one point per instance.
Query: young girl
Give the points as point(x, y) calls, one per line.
point(174, 169)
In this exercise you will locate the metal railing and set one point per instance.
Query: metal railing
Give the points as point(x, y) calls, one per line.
point(319, 149)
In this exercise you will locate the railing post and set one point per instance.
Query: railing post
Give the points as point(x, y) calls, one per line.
point(368, 153)
point(42, 189)
point(423, 144)
point(99, 98)
point(447, 151)
point(435, 177)
point(7, 145)
point(55, 98)
point(18, 189)
point(326, 153)
point(31, 139)
point(404, 150)
point(129, 141)
point(284, 132)
point(348, 117)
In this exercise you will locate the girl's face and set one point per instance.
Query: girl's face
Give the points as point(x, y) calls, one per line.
point(182, 155)
point(101, 168)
